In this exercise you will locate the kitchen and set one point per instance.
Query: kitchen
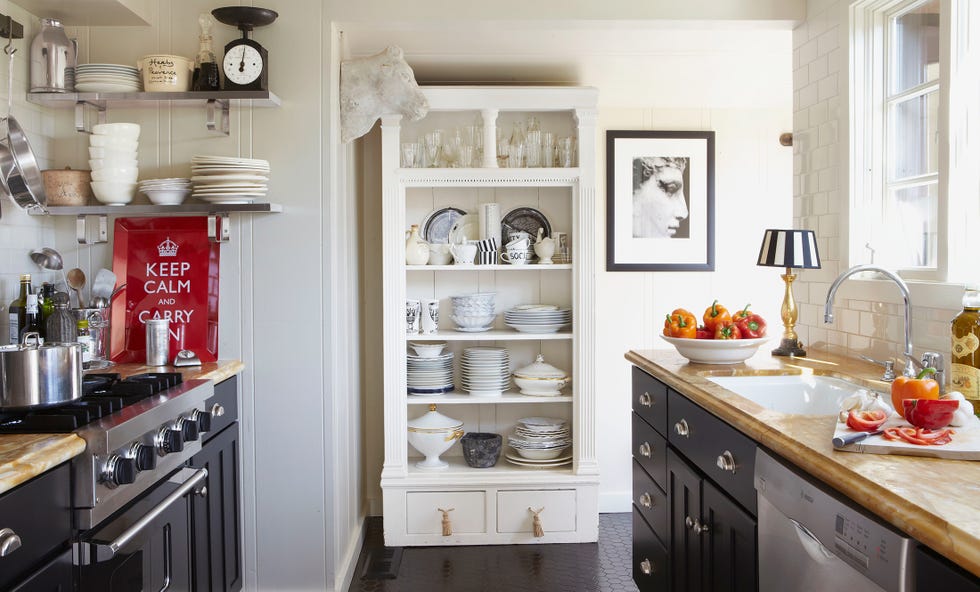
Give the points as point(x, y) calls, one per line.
point(320, 184)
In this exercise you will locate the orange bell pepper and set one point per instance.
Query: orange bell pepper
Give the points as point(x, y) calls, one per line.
point(920, 387)
point(714, 314)
point(742, 314)
point(681, 323)
point(726, 329)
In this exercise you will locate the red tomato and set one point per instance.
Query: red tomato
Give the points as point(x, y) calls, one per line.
point(919, 436)
point(866, 421)
point(931, 414)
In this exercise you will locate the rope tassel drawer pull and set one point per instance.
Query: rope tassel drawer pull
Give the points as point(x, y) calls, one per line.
point(538, 529)
point(447, 525)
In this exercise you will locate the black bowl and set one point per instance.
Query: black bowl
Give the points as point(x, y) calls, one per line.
point(481, 450)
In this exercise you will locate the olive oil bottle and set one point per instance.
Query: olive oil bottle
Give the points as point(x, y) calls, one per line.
point(965, 366)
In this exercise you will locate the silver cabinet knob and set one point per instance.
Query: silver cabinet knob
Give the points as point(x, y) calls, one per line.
point(202, 492)
point(726, 462)
point(646, 566)
point(682, 429)
point(645, 500)
point(217, 410)
point(689, 522)
point(695, 525)
point(646, 450)
point(646, 400)
point(9, 541)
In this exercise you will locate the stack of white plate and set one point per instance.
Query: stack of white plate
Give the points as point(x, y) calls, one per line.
point(229, 180)
point(474, 313)
point(537, 318)
point(485, 371)
point(106, 78)
point(430, 375)
point(540, 441)
point(166, 192)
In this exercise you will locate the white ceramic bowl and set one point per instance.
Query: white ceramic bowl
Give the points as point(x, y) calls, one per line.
point(105, 152)
point(536, 454)
point(100, 163)
point(716, 351)
point(427, 349)
point(540, 387)
point(113, 192)
point(112, 142)
point(473, 321)
point(125, 174)
point(166, 197)
point(129, 131)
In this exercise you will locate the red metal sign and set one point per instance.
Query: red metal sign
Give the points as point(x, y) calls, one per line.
point(170, 268)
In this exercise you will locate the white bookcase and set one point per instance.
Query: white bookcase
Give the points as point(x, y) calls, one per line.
point(491, 505)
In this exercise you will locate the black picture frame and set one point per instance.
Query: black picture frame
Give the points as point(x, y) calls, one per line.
point(650, 226)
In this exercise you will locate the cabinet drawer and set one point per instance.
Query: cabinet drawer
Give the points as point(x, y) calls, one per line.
point(649, 558)
point(650, 400)
point(514, 515)
point(225, 395)
point(38, 512)
point(468, 515)
point(650, 501)
point(709, 442)
point(650, 450)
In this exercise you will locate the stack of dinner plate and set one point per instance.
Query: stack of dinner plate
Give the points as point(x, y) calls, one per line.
point(430, 375)
point(537, 318)
point(106, 78)
point(225, 179)
point(485, 371)
point(540, 440)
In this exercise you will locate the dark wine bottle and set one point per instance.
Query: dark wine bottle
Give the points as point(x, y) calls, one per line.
point(18, 308)
point(32, 317)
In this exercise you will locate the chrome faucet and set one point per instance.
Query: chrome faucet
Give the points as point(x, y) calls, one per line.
point(911, 364)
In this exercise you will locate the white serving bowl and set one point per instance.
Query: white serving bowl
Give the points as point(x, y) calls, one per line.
point(101, 163)
point(432, 434)
point(716, 351)
point(427, 349)
point(540, 387)
point(166, 197)
point(110, 153)
point(124, 174)
point(112, 142)
point(113, 192)
point(473, 321)
point(538, 454)
point(129, 131)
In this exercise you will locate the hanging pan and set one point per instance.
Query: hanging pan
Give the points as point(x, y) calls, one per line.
point(19, 169)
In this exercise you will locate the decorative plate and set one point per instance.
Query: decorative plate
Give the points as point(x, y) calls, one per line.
point(466, 228)
point(527, 219)
point(436, 226)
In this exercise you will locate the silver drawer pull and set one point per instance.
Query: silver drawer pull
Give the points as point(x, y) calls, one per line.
point(646, 450)
point(9, 541)
point(646, 400)
point(217, 410)
point(646, 566)
point(695, 525)
point(645, 500)
point(682, 429)
point(726, 462)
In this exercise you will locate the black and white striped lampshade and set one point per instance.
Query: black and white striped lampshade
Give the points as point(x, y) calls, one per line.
point(789, 248)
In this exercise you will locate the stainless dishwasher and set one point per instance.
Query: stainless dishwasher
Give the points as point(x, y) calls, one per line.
point(813, 541)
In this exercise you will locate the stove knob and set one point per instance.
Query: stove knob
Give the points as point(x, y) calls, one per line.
point(188, 427)
point(145, 456)
point(169, 440)
point(119, 470)
point(203, 419)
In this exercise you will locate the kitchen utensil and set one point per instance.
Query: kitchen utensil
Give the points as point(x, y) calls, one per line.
point(98, 327)
point(103, 284)
point(846, 439)
point(39, 375)
point(19, 169)
point(48, 259)
point(76, 281)
point(165, 72)
point(246, 63)
point(53, 59)
point(67, 186)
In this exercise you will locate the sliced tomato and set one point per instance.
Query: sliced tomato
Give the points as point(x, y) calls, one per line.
point(866, 421)
point(919, 436)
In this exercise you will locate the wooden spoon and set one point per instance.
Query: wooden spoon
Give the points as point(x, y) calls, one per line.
point(76, 280)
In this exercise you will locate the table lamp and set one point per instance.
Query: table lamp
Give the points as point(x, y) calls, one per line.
point(792, 249)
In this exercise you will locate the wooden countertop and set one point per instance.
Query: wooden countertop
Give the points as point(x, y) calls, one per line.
point(25, 456)
point(933, 500)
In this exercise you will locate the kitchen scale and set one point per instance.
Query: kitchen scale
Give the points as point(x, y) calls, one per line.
point(246, 63)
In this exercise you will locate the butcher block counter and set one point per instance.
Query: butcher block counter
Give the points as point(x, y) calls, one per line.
point(24, 456)
point(934, 501)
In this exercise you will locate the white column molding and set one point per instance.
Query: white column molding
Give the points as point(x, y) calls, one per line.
point(489, 137)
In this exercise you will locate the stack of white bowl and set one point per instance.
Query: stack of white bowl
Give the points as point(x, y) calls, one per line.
point(166, 192)
point(474, 313)
point(113, 158)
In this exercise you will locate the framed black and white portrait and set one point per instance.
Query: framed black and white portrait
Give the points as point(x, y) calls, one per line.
point(660, 200)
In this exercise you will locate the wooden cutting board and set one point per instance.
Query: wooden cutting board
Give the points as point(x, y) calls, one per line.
point(965, 444)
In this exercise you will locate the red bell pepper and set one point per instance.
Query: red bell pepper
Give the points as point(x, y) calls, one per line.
point(751, 326)
point(727, 330)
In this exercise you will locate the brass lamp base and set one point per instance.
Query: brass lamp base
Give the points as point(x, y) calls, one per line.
point(789, 347)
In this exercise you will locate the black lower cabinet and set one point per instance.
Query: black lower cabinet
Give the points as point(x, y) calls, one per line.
point(56, 576)
point(712, 540)
point(934, 572)
point(215, 518)
point(650, 563)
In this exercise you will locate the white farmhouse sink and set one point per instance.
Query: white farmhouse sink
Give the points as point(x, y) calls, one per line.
point(802, 394)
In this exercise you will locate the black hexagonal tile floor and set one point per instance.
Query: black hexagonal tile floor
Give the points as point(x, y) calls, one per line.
point(587, 567)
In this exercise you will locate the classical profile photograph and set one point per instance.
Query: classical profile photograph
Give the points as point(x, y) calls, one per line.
point(660, 202)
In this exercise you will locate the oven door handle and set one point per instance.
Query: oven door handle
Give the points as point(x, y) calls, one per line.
point(189, 483)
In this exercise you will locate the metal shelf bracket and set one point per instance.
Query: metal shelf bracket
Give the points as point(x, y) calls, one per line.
point(99, 106)
point(219, 227)
point(82, 236)
point(211, 121)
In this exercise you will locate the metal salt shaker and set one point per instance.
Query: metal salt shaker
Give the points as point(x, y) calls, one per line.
point(157, 342)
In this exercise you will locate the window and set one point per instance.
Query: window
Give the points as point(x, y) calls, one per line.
point(913, 100)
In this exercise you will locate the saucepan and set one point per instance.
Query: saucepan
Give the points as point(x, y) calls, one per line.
point(36, 375)
point(19, 172)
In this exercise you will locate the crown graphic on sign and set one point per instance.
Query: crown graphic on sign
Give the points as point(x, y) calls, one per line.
point(168, 248)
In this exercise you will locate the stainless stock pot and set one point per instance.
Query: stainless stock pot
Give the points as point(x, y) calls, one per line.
point(35, 374)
